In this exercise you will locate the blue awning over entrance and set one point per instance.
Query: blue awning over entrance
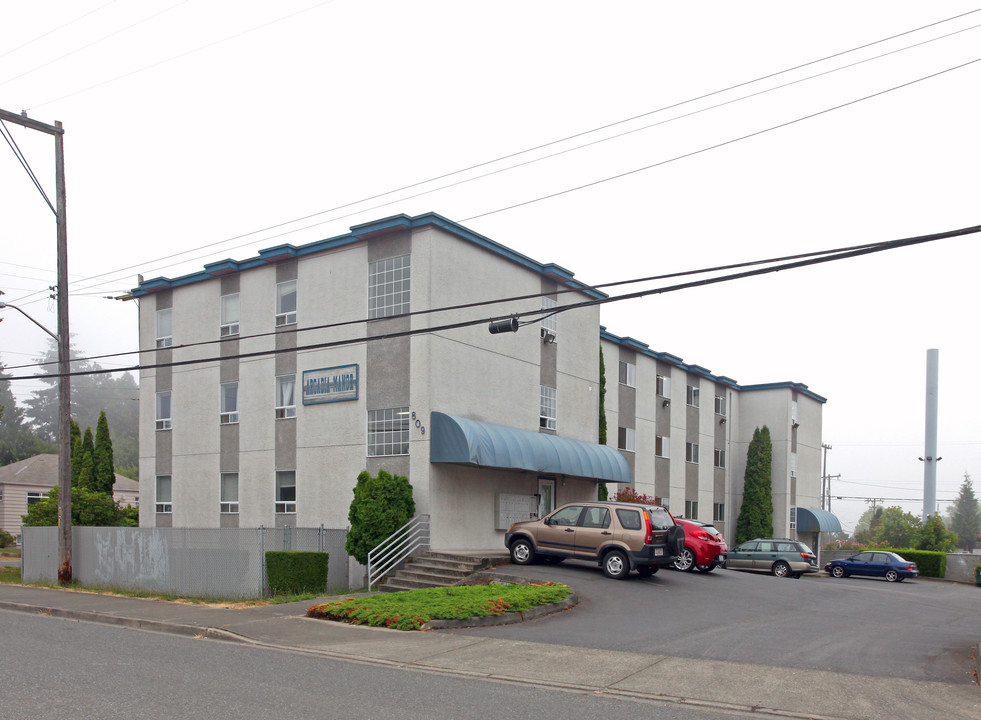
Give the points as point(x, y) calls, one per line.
point(480, 444)
point(811, 520)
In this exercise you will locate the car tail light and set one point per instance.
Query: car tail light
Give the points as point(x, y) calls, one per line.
point(808, 556)
point(911, 567)
point(701, 535)
point(649, 534)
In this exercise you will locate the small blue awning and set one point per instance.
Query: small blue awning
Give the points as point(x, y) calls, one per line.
point(811, 520)
point(480, 444)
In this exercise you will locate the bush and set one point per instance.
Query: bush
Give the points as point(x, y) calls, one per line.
point(381, 506)
point(6, 539)
point(296, 572)
point(628, 494)
point(928, 562)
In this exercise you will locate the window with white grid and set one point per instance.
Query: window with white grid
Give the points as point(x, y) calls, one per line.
point(662, 446)
point(163, 410)
point(628, 374)
point(165, 327)
point(285, 396)
point(228, 494)
point(546, 414)
point(229, 403)
point(229, 314)
point(691, 452)
point(164, 500)
point(388, 287)
point(286, 303)
point(626, 438)
point(286, 491)
point(550, 323)
point(388, 432)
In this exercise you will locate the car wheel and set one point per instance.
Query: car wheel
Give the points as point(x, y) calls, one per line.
point(647, 570)
point(781, 569)
point(838, 571)
point(616, 565)
point(522, 552)
point(892, 575)
point(705, 568)
point(686, 561)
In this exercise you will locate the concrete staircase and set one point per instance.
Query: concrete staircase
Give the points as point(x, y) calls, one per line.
point(439, 569)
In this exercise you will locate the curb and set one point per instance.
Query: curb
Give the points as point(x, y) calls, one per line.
point(509, 618)
point(193, 631)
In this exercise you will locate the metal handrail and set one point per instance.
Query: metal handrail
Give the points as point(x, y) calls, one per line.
point(397, 547)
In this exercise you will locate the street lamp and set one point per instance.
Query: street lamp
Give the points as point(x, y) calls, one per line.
point(64, 452)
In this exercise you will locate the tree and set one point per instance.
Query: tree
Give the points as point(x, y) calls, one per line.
point(897, 529)
point(602, 492)
point(381, 506)
point(117, 395)
point(89, 508)
point(756, 514)
point(935, 536)
point(103, 471)
point(966, 516)
point(85, 460)
point(17, 440)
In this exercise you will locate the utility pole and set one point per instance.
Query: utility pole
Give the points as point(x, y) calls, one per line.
point(64, 358)
point(825, 481)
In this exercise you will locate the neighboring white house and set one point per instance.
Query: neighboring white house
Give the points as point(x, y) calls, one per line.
point(28, 481)
point(270, 383)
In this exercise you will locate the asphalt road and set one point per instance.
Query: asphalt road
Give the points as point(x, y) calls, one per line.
point(918, 629)
point(54, 669)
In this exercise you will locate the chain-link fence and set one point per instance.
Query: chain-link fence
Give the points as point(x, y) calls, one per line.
point(199, 562)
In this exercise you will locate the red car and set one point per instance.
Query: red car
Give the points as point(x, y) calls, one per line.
point(705, 548)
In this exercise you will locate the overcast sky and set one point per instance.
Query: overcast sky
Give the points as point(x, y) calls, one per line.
point(754, 130)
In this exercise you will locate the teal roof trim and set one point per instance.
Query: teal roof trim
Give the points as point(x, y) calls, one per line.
point(479, 444)
point(362, 233)
point(812, 520)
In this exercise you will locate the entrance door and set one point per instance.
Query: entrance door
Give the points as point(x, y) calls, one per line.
point(546, 496)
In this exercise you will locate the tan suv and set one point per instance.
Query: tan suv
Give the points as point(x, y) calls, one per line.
point(619, 536)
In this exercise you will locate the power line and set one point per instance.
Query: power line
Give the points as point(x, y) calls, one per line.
point(515, 298)
point(539, 147)
point(863, 250)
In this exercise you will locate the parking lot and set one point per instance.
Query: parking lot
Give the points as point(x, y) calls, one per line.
point(920, 629)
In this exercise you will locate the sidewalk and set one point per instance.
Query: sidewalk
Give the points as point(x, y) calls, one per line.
point(709, 684)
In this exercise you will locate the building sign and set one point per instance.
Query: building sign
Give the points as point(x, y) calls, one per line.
point(330, 384)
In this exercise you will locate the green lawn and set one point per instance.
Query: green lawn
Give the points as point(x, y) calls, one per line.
point(411, 609)
point(10, 574)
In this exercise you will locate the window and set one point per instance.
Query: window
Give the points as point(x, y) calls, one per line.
point(163, 410)
point(691, 509)
point(720, 405)
point(229, 403)
point(691, 452)
point(596, 517)
point(626, 438)
point(793, 412)
point(628, 374)
point(720, 458)
point(629, 519)
point(546, 413)
point(663, 386)
point(718, 512)
point(388, 287)
point(165, 328)
point(286, 491)
point(228, 494)
point(34, 496)
point(550, 323)
point(285, 396)
point(388, 432)
point(793, 464)
point(164, 501)
point(286, 303)
point(793, 517)
point(691, 395)
point(661, 445)
point(229, 315)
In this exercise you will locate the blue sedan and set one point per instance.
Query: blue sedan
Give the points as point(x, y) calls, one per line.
point(876, 563)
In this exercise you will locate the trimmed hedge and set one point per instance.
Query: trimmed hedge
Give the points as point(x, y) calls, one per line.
point(928, 562)
point(296, 572)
